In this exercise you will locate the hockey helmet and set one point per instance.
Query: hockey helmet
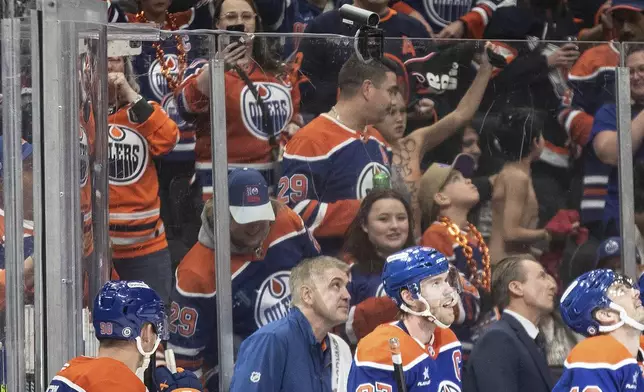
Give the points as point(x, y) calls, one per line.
point(121, 309)
point(588, 293)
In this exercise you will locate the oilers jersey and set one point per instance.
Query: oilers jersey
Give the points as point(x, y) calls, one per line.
point(247, 140)
point(600, 363)
point(287, 16)
point(95, 375)
point(185, 148)
point(435, 367)
point(474, 13)
point(592, 84)
point(327, 169)
point(148, 68)
point(87, 135)
point(260, 287)
point(154, 85)
point(136, 228)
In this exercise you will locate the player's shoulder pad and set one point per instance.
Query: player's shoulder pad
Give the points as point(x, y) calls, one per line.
point(195, 275)
point(599, 352)
point(373, 350)
point(96, 374)
point(318, 140)
point(288, 224)
point(445, 339)
point(595, 60)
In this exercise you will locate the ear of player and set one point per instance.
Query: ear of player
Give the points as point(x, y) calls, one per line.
point(594, 290)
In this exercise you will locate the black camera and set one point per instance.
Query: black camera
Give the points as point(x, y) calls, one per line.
point(369, 39)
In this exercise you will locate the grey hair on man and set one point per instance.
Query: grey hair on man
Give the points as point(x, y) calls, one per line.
point(308, 271)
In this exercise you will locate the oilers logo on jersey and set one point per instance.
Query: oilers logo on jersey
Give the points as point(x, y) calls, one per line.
point(365, 179)
point(448, 386)
point(169, 104)
point(273, 298)
point(84, 156)
point(277, 99)
point(158, 82)
point(443, 12)
point(128, 155)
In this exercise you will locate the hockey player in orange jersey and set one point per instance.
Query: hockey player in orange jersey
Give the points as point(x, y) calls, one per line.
point(138, 131)
point(607, 309)
point(129, 320)
point(425, 289)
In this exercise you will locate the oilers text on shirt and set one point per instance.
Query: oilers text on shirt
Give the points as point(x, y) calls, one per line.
point(246, 137)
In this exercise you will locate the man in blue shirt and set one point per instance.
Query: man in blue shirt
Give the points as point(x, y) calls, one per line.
point(603, 137)
point(298, 352)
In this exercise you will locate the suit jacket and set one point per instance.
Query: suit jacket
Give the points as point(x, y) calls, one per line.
point(506, 359)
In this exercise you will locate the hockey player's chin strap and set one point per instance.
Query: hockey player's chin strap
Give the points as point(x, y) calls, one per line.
point(625, 319)
point(425, 313)
point(140, 372)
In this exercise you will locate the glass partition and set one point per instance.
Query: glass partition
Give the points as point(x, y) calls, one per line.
point(17, 263)
point(516, 121)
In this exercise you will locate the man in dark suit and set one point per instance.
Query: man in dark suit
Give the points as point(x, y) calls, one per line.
point(510, 356)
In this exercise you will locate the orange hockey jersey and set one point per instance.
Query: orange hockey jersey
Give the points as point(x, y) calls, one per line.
point(247, 138)
point(136, 228)
point(435, 367)
point(86, 138)
point(85, 374)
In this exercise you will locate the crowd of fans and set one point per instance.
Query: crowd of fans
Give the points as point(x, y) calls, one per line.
point(483, 149)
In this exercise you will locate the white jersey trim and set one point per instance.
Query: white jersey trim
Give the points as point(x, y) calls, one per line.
point(600, 365)
point(69, 383)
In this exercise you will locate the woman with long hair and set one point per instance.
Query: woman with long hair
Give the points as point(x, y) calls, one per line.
point(262, 97)
point(383, 226)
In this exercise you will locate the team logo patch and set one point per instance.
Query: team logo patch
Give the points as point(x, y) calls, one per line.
point(169, 104)
point(365, 180)
point(273, 298)
point(611, 247)
point(251, 195)
point(448, 386)
point(443, 12)
point(128, 155)
point(277, 99)
point(84, 157)
point(158, 83)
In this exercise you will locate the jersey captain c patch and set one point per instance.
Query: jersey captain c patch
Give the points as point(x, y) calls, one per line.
point(277, 100)
point(128, 155)
point(273, 298)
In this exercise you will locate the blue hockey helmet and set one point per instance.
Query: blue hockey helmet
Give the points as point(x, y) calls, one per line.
point(588, 293)
point(122, 307)
point(407, 268)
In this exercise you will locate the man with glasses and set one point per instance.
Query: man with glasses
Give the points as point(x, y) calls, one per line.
point(606, 308)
